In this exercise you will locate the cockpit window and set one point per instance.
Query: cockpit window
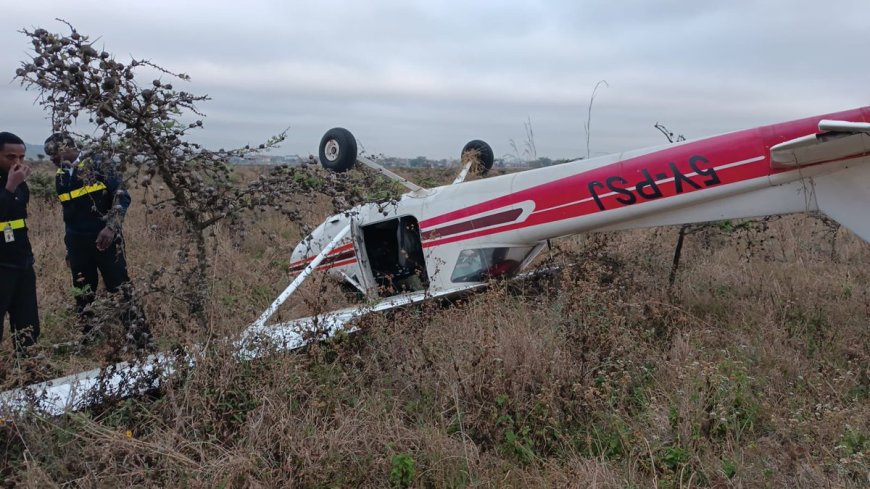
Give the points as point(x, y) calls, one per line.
point(479, 265)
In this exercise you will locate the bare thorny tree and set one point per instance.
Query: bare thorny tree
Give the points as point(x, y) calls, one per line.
point(143, 127)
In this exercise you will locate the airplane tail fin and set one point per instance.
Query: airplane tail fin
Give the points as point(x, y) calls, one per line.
point(844, 196)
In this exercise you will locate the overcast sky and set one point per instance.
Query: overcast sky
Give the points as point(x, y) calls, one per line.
point(413, 78)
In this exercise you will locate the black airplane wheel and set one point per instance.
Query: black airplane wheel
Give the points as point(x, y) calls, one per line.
point(338, 150)
point(482, 151)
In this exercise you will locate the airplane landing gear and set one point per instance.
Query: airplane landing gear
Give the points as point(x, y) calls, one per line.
point(338, 150)
point(482, 151)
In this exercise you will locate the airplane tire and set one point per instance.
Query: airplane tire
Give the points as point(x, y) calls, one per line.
point(484, 153)
point(338, 150)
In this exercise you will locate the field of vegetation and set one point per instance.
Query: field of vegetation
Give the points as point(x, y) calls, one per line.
point(750, 371)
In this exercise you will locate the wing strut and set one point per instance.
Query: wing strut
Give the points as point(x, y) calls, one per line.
point(413, 187)
point(300, 278)
point(464, 173)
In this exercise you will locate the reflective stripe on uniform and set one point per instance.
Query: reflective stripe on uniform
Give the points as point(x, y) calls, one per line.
point(80, 166)
point(87, 189)
point(16, 224)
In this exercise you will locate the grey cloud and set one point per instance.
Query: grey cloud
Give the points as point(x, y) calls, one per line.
point(422, 77)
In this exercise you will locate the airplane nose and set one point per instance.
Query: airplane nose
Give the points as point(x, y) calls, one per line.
point(312, 244)
point(303, 249)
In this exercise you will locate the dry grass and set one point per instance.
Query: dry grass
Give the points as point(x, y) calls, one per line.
point(751, 372)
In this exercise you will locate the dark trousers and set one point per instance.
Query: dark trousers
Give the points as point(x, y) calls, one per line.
point(87, 263)
point(18, 298)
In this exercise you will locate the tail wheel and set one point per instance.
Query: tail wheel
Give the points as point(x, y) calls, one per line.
point(482, 152)
point(338, 150)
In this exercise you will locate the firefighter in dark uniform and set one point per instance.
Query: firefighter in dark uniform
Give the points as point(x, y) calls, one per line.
point(94, 204)
point(17, 279)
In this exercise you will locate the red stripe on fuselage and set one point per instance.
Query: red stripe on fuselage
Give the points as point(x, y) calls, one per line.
point(336, 264)
point(576, 196)
point(301, 264)
point(717, 150)
point(680, 169)
point(588, 205)
point(472, 224)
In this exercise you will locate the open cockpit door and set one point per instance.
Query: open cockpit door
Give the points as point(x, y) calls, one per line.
point(394, 255)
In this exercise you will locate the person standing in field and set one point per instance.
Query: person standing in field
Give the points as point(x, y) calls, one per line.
point(94, 203)
point(17, 278)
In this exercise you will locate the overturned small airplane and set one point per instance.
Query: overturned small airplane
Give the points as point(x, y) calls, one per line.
point(457, 236)
point(441, 241)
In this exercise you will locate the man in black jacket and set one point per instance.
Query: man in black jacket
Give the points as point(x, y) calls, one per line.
point(94, 204)
point(17, 279)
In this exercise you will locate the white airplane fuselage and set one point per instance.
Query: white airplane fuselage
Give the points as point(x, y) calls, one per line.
point(508, 218)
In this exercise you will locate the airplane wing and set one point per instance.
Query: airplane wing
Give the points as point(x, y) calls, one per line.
point(78, 391)
point(125, 379)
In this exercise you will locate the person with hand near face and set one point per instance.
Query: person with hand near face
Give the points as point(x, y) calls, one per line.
point(17, 278)
point(94, 203)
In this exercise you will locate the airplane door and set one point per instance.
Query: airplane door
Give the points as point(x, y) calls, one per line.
point(366, 280)
point(394, 256)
